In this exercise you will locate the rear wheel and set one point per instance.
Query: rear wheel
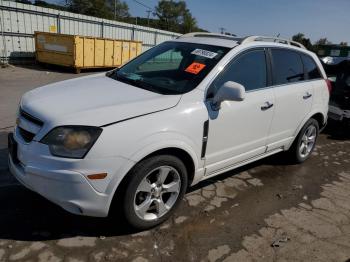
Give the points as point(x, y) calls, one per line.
point(305, 142)
point(155, 188)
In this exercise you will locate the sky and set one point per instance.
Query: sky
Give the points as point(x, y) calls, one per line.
point(315, 18)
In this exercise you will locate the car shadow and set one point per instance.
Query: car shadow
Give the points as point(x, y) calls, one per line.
point(280, 159)
point(26, 216)
point(337, 130)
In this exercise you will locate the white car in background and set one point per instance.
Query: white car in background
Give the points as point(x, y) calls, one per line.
point(188, 109)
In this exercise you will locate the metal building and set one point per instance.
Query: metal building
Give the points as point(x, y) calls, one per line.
point(18, 22)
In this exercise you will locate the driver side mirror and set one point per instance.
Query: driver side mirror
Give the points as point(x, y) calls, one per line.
point(229, 91)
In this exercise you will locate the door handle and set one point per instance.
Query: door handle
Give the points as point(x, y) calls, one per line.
point(267, 106)
point(307, 95)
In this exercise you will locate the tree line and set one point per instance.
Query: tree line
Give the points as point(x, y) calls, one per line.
point(302, 39)
point(168, 15)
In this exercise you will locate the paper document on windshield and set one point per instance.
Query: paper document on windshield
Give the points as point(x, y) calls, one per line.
point(204, 53)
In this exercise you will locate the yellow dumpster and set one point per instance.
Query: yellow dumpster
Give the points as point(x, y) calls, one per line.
point(82, 52)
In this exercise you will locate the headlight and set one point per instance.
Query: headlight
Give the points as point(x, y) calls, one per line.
point(71, 141)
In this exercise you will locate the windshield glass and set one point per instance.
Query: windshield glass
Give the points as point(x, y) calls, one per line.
point(171, 67)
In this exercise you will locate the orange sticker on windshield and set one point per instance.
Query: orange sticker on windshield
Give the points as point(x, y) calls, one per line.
point(195, 68)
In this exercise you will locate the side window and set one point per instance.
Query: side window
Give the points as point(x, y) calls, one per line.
point(311, 68)
point(249, 69)
point(287, 66)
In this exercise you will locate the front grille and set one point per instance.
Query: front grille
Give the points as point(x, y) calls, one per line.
point(30, 118)
point(26, 135)
point(28, 130)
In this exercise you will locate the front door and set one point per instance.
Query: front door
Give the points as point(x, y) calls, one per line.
point(238, 130)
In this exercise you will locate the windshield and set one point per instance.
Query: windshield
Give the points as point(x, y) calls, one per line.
point(171, 67)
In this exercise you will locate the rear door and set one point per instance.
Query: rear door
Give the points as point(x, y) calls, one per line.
point(293, 96)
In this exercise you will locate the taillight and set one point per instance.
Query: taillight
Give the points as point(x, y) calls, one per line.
point(329, 85)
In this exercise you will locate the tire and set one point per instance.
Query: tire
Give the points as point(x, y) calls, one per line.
point(146, 201)
point(299, 155)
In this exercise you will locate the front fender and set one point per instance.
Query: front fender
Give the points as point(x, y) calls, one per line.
point(160, 141)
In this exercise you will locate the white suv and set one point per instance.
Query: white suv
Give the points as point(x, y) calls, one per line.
point(186, 110)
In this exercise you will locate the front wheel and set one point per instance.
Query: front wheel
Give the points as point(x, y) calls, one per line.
point(305, 142)
point(155, 188)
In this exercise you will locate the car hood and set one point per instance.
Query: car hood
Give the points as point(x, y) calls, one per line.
point(95, 100)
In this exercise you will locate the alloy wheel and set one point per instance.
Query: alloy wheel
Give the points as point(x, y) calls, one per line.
point(157, 193)
point(308, 141)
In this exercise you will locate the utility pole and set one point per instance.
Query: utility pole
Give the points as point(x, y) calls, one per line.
point(148, 11)
point(148, 16)
point(115, 9)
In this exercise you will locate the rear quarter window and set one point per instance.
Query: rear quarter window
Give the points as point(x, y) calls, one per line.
point(287, 66)
point(311, 69)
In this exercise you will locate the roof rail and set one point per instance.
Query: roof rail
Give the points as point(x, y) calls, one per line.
point(203, 34)
point(246, 39)
point(272, 39)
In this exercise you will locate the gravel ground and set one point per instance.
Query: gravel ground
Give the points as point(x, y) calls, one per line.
point(266, 211)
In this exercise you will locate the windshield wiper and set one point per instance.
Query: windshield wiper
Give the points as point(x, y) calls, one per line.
point(113, 72)
point(136, 82)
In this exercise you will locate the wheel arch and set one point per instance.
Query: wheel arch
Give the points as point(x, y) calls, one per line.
point(317, 115)
point(319, 118)
point(185, 156)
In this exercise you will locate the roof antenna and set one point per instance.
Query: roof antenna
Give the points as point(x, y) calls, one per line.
point(222, 30)
point(278, 35)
